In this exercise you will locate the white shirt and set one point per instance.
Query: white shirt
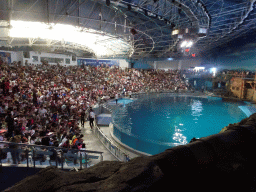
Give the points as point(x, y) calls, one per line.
point(32, 132)
point(92, 114)
point(82, 152)
point(43, 111)
point(63, 142)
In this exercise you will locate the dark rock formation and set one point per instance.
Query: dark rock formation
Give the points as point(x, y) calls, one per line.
point(221, 162)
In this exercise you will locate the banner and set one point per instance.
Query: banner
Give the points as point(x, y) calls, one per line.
point(5, 57)
point(94, 62)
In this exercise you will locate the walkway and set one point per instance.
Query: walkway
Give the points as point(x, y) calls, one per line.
point(94, 144)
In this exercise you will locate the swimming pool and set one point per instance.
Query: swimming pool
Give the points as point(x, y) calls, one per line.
point(154, 123)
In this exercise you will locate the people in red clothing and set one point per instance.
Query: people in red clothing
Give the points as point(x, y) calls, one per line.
point(6, 87)
point(49, 97)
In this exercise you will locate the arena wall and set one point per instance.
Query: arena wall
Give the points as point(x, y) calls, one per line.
point(34, 57)
point(175, 64)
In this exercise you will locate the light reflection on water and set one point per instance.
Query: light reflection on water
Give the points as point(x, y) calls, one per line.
point(178, 137)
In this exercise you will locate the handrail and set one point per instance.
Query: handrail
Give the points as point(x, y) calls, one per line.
point(43, 146)
point(60, 155)
point(111, 147)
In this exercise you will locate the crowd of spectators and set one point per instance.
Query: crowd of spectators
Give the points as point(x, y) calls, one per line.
point(43, 104)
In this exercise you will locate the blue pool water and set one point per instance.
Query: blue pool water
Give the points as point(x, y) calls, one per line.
point(155, 123)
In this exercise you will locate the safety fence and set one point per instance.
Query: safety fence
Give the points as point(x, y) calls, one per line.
point(110, 146)
point(30, 155)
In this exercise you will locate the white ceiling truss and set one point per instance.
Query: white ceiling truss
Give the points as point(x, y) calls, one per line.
point(145, 25)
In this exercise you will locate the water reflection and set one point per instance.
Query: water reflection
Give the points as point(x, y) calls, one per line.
point(197, 108)
point(178, 137)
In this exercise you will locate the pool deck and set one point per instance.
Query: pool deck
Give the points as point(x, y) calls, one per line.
point(94, 144)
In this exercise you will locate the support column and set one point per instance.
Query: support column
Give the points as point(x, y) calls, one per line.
point(180, 65)
point(155, 65)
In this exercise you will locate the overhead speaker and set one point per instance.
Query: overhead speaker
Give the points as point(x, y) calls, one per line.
point(146, 12)
point(129, 7)
point(107, 2)
point(173, 25)
point(133, 31)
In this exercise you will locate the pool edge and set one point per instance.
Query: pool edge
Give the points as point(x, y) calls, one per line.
point(140, 153)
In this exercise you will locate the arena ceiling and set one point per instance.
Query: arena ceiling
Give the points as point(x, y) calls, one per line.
point(126, 28)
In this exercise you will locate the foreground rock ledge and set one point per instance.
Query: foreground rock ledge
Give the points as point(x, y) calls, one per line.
point(223, 162)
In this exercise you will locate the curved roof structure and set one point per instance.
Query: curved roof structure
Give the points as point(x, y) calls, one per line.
point(126, 28)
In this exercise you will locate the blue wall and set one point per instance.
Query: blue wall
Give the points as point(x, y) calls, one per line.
point(141, 65)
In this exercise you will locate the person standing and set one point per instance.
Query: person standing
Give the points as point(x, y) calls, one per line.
point(15, 152)
point(34, 98)
point(91, 117)
point(116, 97)
point(6, 87)
point(10, 124)
point(82, 117)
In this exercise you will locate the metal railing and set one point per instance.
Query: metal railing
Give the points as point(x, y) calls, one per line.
point(116, 151)
point(41, 156)
point(110, 146)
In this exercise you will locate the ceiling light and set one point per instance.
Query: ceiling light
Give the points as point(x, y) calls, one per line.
point(90, 39)
point(175, 32)
point(183, 44)
point(186, 44)
point(189, 44)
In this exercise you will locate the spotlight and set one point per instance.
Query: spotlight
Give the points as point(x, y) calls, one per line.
point(107, 2)
point(189, 44)
point(214, 71)
point(183, 44)
point(186, 44)
point(175, 32)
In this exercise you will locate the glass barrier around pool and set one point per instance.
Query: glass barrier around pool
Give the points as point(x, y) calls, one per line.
point(112, 148)
point(27, 155)
point(146, 146)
